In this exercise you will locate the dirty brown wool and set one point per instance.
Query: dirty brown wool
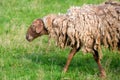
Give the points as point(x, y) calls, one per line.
point(86, 28)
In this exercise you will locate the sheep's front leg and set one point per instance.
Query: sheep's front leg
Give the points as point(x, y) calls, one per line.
point(70, 56)
point(97, 59)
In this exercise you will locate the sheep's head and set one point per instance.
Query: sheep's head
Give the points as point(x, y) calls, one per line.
point(35, 30)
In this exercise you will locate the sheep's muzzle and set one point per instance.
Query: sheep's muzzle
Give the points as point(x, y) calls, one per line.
point(29, 38)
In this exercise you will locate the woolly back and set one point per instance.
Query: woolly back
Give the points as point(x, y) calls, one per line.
point(87, 27)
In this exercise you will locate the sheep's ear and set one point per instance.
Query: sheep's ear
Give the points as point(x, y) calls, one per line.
point(39, 28)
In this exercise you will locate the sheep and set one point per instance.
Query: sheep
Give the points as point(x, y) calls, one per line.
point(86, 28)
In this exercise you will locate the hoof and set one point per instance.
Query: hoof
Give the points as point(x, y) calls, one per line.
point(102, 74)
point(64, 70)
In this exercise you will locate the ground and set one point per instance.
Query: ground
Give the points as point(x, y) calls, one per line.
point(21, 60)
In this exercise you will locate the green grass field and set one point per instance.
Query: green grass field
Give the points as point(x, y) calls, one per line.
point(21, 60)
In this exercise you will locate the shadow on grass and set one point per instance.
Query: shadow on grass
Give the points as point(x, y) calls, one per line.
point(48, 59)
point(80, 63)
point(111, 63)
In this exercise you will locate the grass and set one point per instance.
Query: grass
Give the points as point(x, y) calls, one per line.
point(21, 60)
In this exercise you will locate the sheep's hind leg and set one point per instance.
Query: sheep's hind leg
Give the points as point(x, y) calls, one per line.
point(70, 56)
point(97, 59)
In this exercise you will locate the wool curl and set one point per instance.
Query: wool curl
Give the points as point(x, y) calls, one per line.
point(87, 27)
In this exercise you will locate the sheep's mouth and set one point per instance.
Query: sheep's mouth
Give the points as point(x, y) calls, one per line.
point(29, 38)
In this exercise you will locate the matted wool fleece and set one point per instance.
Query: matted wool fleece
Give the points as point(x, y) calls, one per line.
point(87, 27)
